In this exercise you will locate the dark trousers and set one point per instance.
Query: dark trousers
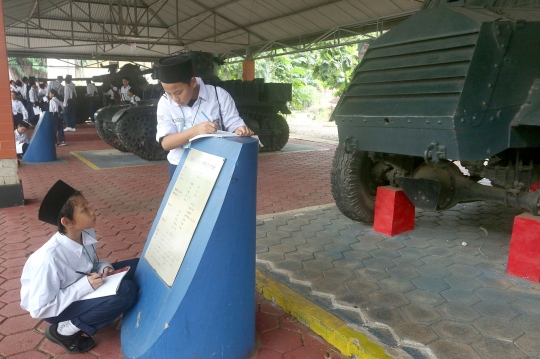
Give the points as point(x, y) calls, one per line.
point(18, 118)
point(91, 108)
point(59, 127)
point(69, 114)
point(92, 314)
point(172, 168)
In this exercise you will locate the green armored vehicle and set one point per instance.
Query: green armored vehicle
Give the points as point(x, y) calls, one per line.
point(132, 128)
point(458, 81)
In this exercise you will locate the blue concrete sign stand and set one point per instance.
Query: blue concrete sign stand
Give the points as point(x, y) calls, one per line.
point(42, 146)
point(209, 312)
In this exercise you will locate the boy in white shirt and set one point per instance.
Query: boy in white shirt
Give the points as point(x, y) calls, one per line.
point(21, 139)
point(66, 268)
point(19, 111)
point(189, 108)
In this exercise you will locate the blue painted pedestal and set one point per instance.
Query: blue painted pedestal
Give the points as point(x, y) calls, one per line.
point(209, 312)
point(42, 146)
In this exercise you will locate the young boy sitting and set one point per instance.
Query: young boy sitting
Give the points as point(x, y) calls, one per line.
point(21, 139)
point(52, 283)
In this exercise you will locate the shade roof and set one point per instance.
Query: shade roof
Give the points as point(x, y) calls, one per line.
point(149, 29)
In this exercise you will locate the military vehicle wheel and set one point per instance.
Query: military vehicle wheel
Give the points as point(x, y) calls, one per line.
point(108, 136)
point(137, 131)
point(355, 178)
point(280, 133)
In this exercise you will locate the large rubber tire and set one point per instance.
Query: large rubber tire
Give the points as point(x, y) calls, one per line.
point(280, 133)
point(136, 128)
point(353, 187)
point(109, 138)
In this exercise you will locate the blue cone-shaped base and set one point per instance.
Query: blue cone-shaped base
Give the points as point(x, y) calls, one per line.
point(42, 146)
point(209, 312)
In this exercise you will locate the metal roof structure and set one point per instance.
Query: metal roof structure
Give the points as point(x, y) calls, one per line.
point(145, 30)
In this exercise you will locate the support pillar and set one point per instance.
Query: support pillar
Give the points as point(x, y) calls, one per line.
point(11, 193)
point(524, 254)
point(394, 212)
point(248, 70)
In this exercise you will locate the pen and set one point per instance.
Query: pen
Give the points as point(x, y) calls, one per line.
point(206, 117)
point(83, 273)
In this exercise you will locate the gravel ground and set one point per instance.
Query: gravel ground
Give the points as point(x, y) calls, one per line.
point(302, 125)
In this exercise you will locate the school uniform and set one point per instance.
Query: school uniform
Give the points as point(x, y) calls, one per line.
point(115, 96)
point(54, 107)
point(20, 147)
point(19, 112)
point(51, 288)
point(33, 100)
point(124, 93)
point(135, 99)
point(92, 94)
point(70, 95)
point(173, 118)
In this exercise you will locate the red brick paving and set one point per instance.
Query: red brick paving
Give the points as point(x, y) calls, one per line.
point(126, 201)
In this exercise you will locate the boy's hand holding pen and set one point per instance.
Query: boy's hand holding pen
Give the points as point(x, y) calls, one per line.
point(94, 279)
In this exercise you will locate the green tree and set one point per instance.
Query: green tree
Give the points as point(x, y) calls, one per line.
point(20, 67)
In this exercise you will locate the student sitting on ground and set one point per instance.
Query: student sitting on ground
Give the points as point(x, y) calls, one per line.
point(54, 278)
point(21, 139)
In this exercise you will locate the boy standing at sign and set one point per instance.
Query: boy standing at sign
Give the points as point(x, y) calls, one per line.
point(66, 268)
point(189, 108)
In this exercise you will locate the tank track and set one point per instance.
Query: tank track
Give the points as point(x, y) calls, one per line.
point(137, 131)
point(108, 136)
point(272, 129)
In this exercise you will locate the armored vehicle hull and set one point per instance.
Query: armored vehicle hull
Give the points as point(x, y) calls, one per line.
point(458, 81)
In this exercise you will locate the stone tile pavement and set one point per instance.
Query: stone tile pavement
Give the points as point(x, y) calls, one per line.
point(438, 291)
point(126, 201)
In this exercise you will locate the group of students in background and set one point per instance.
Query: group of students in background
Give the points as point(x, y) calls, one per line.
point(29, 98)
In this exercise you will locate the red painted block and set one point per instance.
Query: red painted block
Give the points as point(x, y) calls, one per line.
point(394, 212)
point(524, 256)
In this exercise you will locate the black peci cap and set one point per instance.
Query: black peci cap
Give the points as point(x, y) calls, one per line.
point(53, 202)
point(175, 69)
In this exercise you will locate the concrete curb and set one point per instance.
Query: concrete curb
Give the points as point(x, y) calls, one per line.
point(332, 329)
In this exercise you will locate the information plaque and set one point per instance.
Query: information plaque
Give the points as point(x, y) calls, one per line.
point(183, 210)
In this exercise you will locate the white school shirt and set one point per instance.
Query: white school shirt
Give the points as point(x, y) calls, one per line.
point(42, 95)
point(54, 105)
point(170, 118)
point(91, 90)
point(19, 89)
point(135, 98)
point(33, 93)
point(19, 137)
point(49, 282)
point(54, 85)
point(111, 92)
point(18, 107)
point(69, 93)
point(23, 90)
point(124, 93)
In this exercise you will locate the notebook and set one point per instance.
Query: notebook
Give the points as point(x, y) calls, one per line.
point(110, 284)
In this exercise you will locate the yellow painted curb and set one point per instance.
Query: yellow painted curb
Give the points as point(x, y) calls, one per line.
point(84, 160)
point(331, 328)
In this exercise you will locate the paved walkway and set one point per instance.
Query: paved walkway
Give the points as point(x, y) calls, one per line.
point(126, 201)
point(439, 291)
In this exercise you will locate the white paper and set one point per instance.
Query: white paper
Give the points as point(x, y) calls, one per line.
point(218, 134)
point(109, 287)
point(37, 111)
point(183, 210)
point(18, 147)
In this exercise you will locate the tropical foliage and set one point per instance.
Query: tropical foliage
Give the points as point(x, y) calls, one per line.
point(309, 72)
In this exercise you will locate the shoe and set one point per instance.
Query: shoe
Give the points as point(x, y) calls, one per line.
point(73, 129)
point(61, 144)
point(73, 344)
point(67, 129)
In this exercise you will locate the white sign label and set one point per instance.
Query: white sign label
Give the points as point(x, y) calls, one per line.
point(182, 212)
